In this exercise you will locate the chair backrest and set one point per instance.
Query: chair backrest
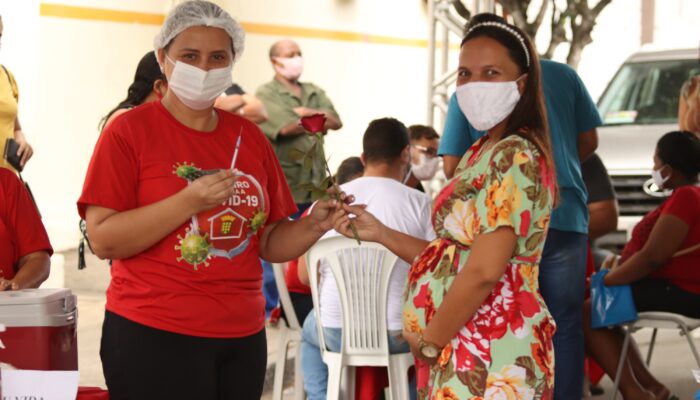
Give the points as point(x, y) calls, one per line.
point(362, 275)
point(285, 299)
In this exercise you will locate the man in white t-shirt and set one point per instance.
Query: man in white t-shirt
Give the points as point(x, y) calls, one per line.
point(386, 156)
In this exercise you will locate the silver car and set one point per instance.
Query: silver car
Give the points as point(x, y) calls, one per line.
point(638, 106)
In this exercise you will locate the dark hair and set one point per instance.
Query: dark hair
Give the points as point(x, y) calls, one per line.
point(417, 132)
point(384, 140)
point(147, 73)
point(480, 18)
point(530, 112)
point(680, 150)
point(349, 169)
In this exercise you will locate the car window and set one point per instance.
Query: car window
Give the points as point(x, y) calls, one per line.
point(646, 92)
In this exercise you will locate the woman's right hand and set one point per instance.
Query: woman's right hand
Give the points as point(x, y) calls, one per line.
point(212, 190)
point(368, 227)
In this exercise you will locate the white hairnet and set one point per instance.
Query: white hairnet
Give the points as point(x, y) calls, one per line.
point(199, 13)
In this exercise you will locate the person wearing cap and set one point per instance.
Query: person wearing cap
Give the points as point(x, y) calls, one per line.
point(572, 118)
point(185, 198)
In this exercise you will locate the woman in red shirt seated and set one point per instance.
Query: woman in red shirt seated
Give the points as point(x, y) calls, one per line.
point(24, 245)
point(661, 262)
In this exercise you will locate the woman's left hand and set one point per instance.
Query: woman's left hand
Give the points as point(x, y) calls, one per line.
point(326, 212)
point(412, 338)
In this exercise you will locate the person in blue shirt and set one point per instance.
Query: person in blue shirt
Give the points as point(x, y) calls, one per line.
point(573, 119)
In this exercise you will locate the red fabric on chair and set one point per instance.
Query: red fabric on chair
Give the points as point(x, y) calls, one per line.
point(92, 393)
point(370, 382)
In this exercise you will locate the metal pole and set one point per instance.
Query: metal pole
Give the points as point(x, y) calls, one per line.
point(431, 59)
point(444, 67)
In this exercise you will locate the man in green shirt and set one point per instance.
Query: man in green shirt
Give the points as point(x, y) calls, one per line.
point(287, 100)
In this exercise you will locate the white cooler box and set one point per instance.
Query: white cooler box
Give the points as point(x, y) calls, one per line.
point(40, 329)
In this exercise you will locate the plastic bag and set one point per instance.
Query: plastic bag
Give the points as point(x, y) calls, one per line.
point(610, 305)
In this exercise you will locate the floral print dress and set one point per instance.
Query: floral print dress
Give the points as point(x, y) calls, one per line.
point(505, 350)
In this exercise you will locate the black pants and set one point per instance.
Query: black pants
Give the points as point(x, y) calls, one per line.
point(661, 295)
point(140, 362)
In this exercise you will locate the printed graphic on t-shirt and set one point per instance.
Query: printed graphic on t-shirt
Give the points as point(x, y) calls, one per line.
point(226, 230)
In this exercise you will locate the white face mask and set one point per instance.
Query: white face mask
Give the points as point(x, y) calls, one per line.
point(291, 67)
point(198, 88)
point(659, 180)
point(485, 104)
point(426, 168)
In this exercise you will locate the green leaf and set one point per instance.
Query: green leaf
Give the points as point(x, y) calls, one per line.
point(534, 240)
point(444, 268)
point(530, 171)
point(531, 193)
point(446, 374)
point(296, 154)
point(312, 148)
point(475, 379)
point(529, 365)
point(318, 194)
point(327, 182)
point(462, 189)
point(544, 198)
point(506, 160)
point(308, 163)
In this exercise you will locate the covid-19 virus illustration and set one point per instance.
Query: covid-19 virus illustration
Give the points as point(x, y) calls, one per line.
point(187, 171)
point(257, 221)
point(194, 248)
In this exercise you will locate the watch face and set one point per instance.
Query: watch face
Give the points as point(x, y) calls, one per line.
point(429, 351)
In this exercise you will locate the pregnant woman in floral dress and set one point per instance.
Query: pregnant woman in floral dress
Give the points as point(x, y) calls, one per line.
point(473, 316)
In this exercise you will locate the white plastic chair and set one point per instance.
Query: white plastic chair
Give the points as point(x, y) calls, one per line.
point(288, 333)
point(656, 321)
point(362, 275)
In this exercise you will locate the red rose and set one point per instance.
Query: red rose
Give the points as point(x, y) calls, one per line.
point(314, 123)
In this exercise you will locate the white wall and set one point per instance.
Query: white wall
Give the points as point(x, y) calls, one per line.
point(364, 81)
point(72, 71)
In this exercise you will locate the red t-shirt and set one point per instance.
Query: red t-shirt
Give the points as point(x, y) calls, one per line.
point(683, 271)
point(21, 230)
point(291, 274)
point(204, 278)
point(291, 278)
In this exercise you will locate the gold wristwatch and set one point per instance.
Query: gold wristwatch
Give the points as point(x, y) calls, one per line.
point(427, 349)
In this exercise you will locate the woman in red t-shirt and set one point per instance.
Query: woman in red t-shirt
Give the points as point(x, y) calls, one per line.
point(186, 198)
point(25, 250)
point(661, 262)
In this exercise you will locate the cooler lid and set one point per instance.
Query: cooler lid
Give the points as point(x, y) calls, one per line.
point(33, 296)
